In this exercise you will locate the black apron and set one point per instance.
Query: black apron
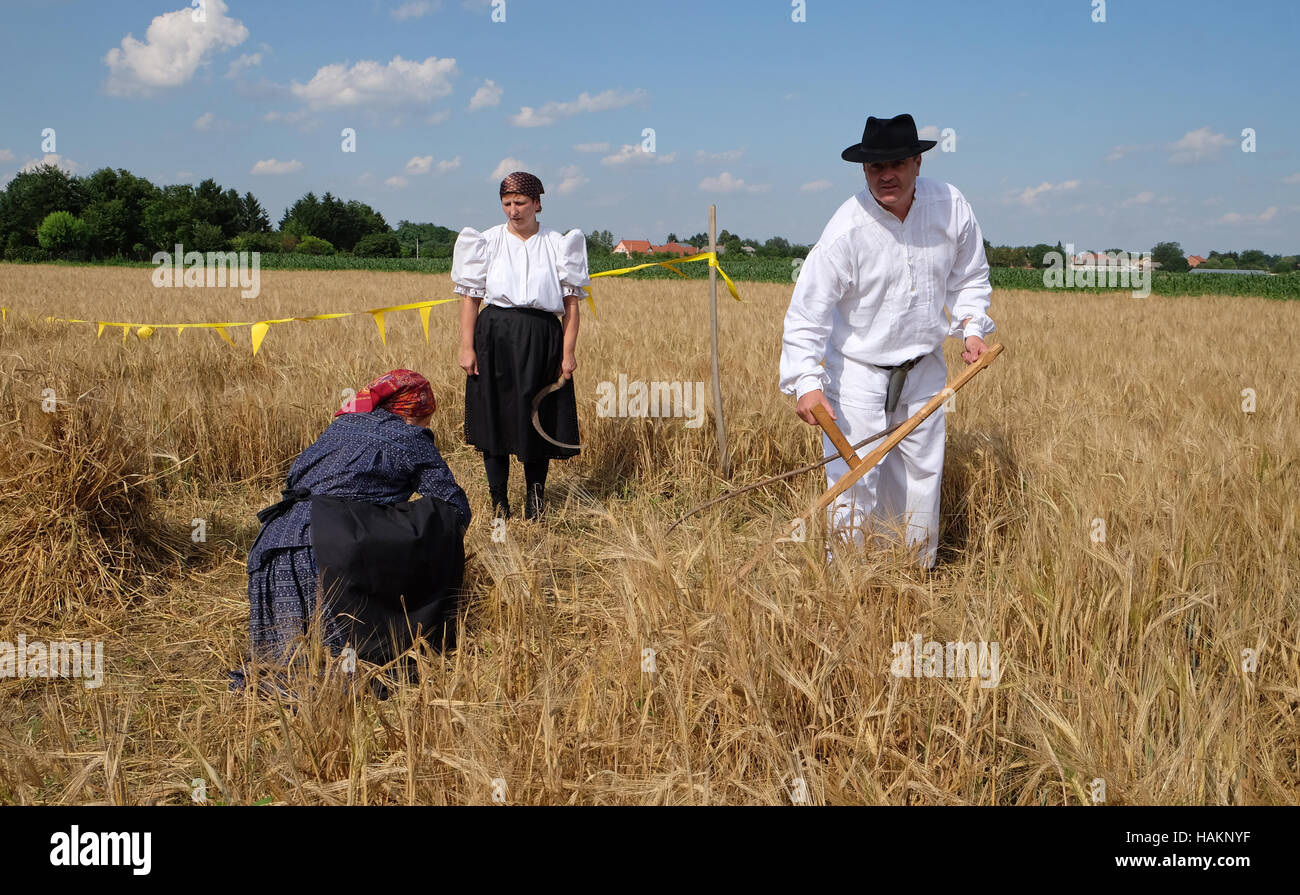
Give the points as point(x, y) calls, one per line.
point(389, 572)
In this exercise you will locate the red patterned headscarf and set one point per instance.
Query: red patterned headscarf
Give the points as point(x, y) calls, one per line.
point(403, 392)
point(523, 183)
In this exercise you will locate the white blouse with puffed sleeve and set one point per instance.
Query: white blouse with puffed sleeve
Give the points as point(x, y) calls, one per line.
point(510, 272)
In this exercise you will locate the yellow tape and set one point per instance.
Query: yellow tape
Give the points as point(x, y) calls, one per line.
point(259, 329)
point(711, 257)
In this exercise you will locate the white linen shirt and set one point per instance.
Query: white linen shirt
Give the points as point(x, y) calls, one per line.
point(874, 289)
point(510, 272)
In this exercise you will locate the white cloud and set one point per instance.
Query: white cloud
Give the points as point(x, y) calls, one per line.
point(815, 186)
point(6, 155)
point(247, 60)
point(929, 132)
point(570, 179)
point(51, 158)
point(415, 9)
point(1263, 217)
point(1200, 145)
point(1142, 198)
point(209, 122)
point(274, 166)
point(297, 117)
point(729, 155)
point(507, 165)
point(173, 48)
point(634, 155)
point(419, 164)
point(370, 83)
point(448, 165)
point(487, 95)
point(725, 183)
point(440, 117)
point(1029, 195)
point(1290, 178)
point(591, 147)
point(395, 182)
point(184, 176)
point(553, 111)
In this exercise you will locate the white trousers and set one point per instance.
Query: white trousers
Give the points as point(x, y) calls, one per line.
point(903, 489)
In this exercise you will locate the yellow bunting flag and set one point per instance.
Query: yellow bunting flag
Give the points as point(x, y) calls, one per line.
point(379, 322)
point(259, 333)
point(424, 321)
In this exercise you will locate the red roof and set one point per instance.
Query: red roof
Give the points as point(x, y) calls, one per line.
point(675, 248)
point(1194, 260)
point(635, 245)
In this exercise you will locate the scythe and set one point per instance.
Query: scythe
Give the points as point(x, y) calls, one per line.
point(537, 423)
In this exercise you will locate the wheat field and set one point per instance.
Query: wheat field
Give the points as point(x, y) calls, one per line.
point(1123, 659)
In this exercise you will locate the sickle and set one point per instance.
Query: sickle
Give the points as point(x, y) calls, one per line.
point(537, 423)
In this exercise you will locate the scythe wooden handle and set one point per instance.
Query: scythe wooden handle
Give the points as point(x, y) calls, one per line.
point(847, 480)
point(836, 436)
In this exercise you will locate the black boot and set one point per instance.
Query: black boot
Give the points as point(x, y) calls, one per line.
point(500, 503)
point(534, 500)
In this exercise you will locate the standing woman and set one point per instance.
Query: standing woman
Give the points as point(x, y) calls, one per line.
point(525, 277)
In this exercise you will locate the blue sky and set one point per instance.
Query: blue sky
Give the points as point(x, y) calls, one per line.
point(1112, 134)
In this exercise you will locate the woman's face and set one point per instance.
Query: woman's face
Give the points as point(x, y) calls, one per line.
point(520, 210)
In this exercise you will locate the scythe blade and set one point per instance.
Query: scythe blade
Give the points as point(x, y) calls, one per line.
point(537, 423)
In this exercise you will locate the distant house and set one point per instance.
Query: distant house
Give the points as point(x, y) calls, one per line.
point(1195, 260)
point(644, 247)
point(673, 248)
point(633, 247)
point(1258, 273)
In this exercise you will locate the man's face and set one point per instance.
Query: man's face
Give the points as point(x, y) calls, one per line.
point(892, 182)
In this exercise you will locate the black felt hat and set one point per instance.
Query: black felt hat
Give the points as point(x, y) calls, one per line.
point(887, 140)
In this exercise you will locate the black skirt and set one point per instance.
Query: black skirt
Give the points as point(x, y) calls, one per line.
point(519, 353)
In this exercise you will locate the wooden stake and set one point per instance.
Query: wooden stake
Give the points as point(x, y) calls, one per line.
point(724, 455)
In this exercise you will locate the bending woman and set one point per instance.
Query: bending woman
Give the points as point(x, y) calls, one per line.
point(524, 275)
point(387, 562)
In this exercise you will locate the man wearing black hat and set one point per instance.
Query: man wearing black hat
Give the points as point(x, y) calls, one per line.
point(899, 267)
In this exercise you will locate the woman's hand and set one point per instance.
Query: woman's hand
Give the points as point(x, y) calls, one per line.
point(469, 361)
point(568, 365)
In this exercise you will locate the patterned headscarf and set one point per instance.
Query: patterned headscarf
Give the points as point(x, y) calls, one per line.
point(403, 392)
point(522, 183)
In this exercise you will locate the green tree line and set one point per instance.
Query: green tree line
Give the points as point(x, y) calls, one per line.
point(47, 213)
